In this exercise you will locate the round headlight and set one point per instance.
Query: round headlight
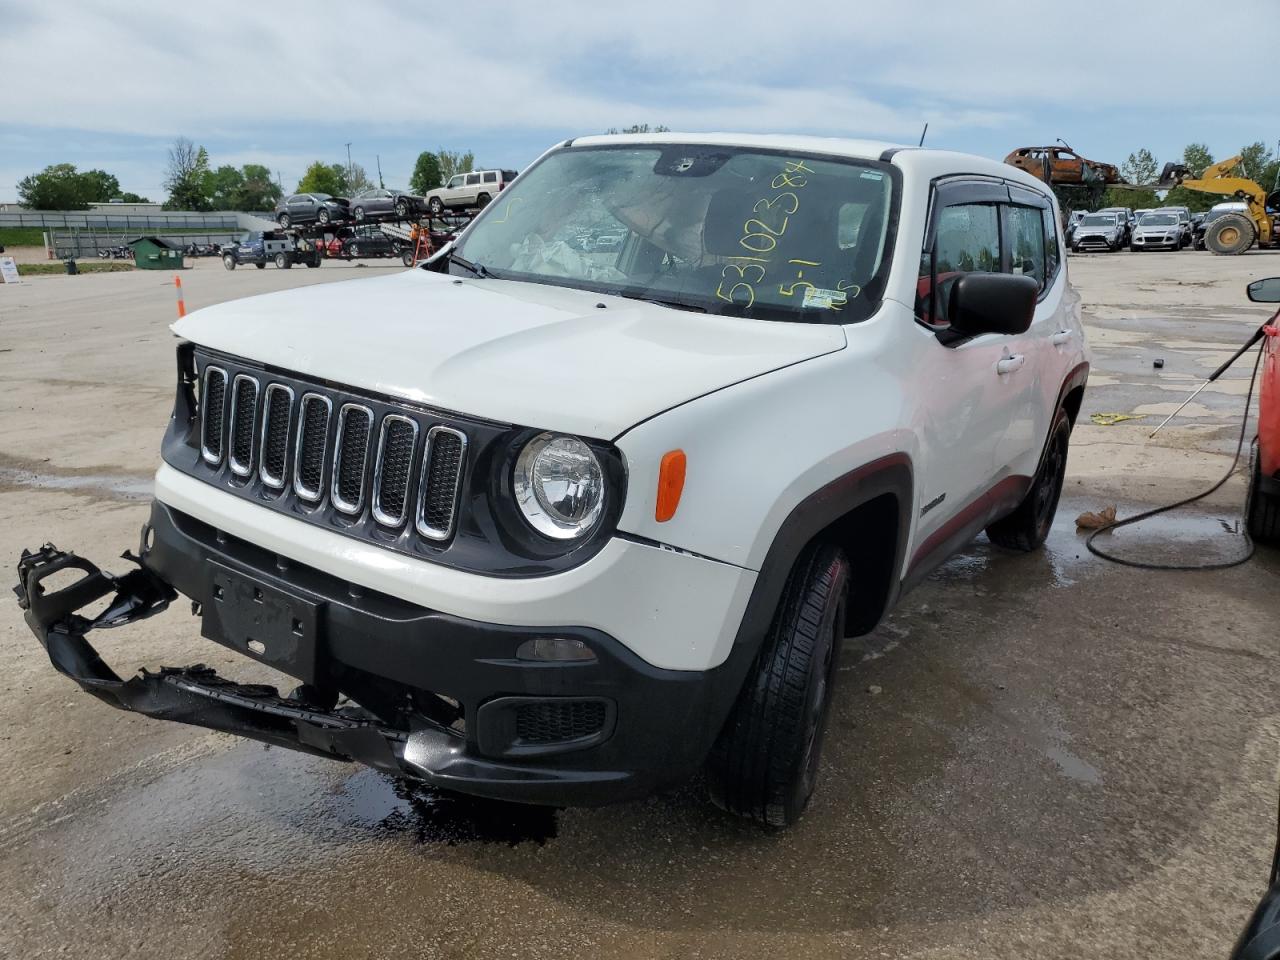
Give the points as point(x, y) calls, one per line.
point(559, 486)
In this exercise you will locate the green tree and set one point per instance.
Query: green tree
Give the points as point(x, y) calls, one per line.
point(258, 191)
point(1133, 199)
point(57, 187)
point(452, 162)
point(224, 185)
point(1197, 158)
point(187, 176)
point(323, 178)
point(426, 173)
point(640, 128)
point(99, 186)
point(1256, 159)
point(355, 180)
point(1141, 168)
point(128, 197)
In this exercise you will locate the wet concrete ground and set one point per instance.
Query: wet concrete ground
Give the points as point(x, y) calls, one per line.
point(1065, 758)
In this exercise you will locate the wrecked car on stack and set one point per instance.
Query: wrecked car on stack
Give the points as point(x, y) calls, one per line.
point(566, 527)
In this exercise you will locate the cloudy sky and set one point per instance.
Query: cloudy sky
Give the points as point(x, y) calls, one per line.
point(110, 85)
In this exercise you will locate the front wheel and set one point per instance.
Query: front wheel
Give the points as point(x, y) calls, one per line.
point(358, 213)
point(402, 209)
point(435, 206)
point(283, 262)
point(1028, 526)
point(261, 265)
point(407, 258)
point(322, 217)
point(764, 764)
point(1230, 234)
point(483, 200)
point(284, 220)
point(229, 262)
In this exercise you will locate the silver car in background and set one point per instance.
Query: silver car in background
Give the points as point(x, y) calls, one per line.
point(1160, 230)
point(1098, 231)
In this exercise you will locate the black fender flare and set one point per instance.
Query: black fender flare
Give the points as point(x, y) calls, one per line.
point(891, 474)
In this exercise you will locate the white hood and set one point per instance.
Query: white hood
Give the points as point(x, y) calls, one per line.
point(524, 353)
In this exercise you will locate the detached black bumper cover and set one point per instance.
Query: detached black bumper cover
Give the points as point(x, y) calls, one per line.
point(198, 696)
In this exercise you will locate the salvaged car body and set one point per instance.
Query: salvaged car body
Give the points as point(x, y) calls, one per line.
point(1062, 165)
point(566, 527)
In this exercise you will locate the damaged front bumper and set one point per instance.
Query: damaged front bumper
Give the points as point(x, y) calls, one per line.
point(195, 694)
point(398, 661)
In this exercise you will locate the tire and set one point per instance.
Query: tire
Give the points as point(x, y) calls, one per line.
point(358, 213)
point(229, 262)
point(284, 220)
point(354, 250)
point(1075, 249)
point(483, 200)
point(407, 258)
point(283, 262)
point(261, 265)
point(764, 764)
point(402, 209)
point(1133, 249)
point(314, 261)
point(435, 206)
point(1027, 527)
point(322, 217)
point(1261, 510)
point(1231, 234)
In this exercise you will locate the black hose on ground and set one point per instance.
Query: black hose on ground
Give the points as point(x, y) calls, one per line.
point(1211, 565)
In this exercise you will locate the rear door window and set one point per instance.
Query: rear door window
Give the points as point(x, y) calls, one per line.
point(491, 178)
point(1024, 231)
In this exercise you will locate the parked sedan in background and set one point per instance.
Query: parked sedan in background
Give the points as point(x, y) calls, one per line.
point(311, 208)
point(377, 204)
point(1161, 230)
point(1099, 231)
point(369, 242)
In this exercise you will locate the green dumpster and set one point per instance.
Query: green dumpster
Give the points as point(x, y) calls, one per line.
point(153, 253)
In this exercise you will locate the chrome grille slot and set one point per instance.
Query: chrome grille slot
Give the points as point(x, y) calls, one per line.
point(244, 414)
point(393, 468)
point(309, 451)
point(213, 406)
point(350, 457)
point(442, 463)
point(277, 410)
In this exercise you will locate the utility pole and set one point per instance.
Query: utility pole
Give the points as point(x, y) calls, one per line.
point(348, 166)
point(381, 185)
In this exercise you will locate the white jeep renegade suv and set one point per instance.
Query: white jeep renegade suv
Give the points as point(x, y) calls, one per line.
point(564, 527)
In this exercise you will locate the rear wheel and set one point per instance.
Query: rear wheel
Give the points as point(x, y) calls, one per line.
point(283, 262)
point(764, 765)
point(435, 206)
point(407, 258)
point(358, 213)
point(1262, 509)
point(284, 220)
point(261, 265)
point(402, 209)
point(315, 260)
point(229, 262)
point(1027, 527)
point(354, 250)
point(1230, 234)
point(322, 216)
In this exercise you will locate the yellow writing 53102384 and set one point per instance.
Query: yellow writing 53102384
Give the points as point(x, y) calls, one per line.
point(760, 235)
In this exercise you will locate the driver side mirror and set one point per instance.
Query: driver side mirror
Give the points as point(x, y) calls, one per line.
point(1264, 291)
point(992, 303)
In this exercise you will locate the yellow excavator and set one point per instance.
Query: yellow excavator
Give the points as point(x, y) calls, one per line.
point(1233, 232)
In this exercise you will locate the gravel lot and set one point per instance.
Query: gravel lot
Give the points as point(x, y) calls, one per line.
point(1043, 756)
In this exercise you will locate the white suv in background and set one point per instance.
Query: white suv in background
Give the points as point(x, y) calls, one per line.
point(566, 526)
point(474, 189)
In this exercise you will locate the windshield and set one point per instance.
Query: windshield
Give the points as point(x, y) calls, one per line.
point(1159, 219)
point(1098, 220)
point(720, 229)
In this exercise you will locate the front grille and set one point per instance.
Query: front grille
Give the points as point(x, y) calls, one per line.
point(276, 415)
point(441, 476)
point(351, 455)
point(213, 403)
point(370, 467)
point(244, 414)
point(555, 722)
point(393, 469)
point(313, 438)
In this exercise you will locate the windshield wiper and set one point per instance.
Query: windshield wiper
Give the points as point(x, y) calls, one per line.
point(674, 304)
point(475, 269)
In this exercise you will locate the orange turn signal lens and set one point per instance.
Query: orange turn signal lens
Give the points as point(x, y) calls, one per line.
point(670, 485)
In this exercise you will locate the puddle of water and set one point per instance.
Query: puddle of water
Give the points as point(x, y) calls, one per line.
point(117, 487)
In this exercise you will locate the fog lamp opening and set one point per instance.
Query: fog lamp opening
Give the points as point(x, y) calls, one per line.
point(554, 649)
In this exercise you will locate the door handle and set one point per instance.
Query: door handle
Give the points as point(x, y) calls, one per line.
point(1007, 365)
point(1061, 337)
